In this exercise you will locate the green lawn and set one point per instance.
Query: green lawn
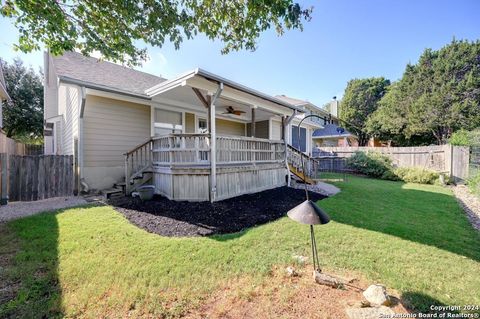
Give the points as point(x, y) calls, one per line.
point(91, 262)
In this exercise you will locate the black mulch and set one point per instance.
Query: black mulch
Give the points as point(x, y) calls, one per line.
point(177, 219)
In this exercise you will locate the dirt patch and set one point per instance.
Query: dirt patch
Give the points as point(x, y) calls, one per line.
point(281, 296)
point(170, 218)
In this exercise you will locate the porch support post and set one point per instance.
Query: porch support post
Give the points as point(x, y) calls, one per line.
point(286, 123)
point(213, 144)
point(252, 133)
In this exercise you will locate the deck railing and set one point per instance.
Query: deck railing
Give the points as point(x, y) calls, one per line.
point(181, 149)
point(301, 161)
point(193, 151)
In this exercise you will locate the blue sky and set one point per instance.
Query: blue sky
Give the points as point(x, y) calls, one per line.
point(344, 40)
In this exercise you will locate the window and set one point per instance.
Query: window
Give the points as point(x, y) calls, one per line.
point(302, 144)
point(202, 126)
point(167, 122)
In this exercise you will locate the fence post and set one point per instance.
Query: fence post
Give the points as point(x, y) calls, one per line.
point(3, 179)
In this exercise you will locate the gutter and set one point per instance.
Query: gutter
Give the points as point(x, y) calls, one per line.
point(288, 122)
point(83, 184)
point(89, 85)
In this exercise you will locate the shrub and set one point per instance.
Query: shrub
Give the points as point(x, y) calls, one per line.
point(474, 184)
point(465, 138)
point(416, 175)
point(371, 164)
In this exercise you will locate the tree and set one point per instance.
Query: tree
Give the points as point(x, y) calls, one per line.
point(114, 27)
point(23, 114)
point(361, 99)
point(435, 97)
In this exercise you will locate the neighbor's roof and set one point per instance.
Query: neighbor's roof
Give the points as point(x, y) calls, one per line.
point(75, 66)
point(331, 130)
point(301, 103)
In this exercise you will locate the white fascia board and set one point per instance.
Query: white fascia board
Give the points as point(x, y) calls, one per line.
point(170, 84)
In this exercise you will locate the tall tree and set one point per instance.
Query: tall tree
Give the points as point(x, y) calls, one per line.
point(23, 114)
point(435, 97)
point(114, 27)
point(361, 99)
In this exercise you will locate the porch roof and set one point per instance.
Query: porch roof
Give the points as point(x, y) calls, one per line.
point(208, 81)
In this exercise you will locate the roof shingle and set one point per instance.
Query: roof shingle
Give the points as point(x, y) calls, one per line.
point(92, 70)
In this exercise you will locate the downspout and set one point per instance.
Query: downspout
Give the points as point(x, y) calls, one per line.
point(84, 186)
point(213, 144)
point(287, 123)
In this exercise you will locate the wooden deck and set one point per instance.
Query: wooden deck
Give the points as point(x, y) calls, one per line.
point(181, 166)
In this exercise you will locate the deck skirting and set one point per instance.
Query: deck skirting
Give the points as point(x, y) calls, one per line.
point(193, 184)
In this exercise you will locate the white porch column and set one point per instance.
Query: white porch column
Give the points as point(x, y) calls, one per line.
point(213, 145)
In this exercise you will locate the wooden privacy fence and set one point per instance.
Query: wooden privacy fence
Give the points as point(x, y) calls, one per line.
point(12, 147)
point(441, 158)
point(33, 178)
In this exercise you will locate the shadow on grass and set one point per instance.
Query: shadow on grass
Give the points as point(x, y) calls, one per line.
point(31, 270)
point(417, 302)
point(426, 215)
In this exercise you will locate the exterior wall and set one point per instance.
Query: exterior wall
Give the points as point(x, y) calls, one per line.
point(69, 99)
point(50, 89)
point(276, 130)
point(1, 113)
point(190, 124)
point(111, 128)
point(225, 127)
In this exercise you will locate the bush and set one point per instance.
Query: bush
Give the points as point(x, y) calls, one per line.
point(465, 138)
point(474, 184)
point(371, 164)
point(377, 165)
point(416, 175)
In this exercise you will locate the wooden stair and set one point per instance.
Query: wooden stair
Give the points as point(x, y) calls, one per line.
point(300, 175)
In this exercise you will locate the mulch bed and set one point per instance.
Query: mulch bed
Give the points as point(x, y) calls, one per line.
point(178, 219)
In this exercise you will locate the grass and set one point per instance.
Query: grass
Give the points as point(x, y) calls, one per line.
point(91, 262)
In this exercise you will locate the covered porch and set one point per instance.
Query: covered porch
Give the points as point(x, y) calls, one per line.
point(211, 139)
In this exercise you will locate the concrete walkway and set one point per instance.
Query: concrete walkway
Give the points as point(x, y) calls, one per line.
point(16, 210)
point(318, 187)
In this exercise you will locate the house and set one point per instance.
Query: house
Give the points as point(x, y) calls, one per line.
point(3, 95)
point(196, 137)
point(304, 141)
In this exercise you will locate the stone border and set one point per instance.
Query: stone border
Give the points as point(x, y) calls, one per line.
point(470, 204)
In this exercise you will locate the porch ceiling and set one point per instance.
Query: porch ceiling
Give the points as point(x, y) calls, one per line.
point(233, 94)
point(183, 96)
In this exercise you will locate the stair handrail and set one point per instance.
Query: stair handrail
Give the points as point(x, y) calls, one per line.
point(133, 165)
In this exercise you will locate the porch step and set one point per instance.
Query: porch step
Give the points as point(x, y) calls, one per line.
point(300, 175)
point(113, 192)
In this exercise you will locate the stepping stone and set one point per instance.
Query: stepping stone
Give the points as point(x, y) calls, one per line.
point(369, 313)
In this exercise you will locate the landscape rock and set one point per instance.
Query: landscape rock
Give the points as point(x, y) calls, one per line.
point(377, 295)
point(369, 313)
point(291, 272)
point(300, 259)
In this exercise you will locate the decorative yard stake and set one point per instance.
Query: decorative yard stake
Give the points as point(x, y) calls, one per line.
point(309, 213)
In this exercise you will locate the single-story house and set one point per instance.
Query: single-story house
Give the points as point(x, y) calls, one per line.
point(334, 135)
point(195, 137)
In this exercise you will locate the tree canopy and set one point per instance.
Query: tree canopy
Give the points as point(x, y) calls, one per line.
point(23, 114)
point(114, 28)
point(435, 97)
point(361, 99)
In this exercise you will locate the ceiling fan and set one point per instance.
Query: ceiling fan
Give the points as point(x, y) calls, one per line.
point(231, 110)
